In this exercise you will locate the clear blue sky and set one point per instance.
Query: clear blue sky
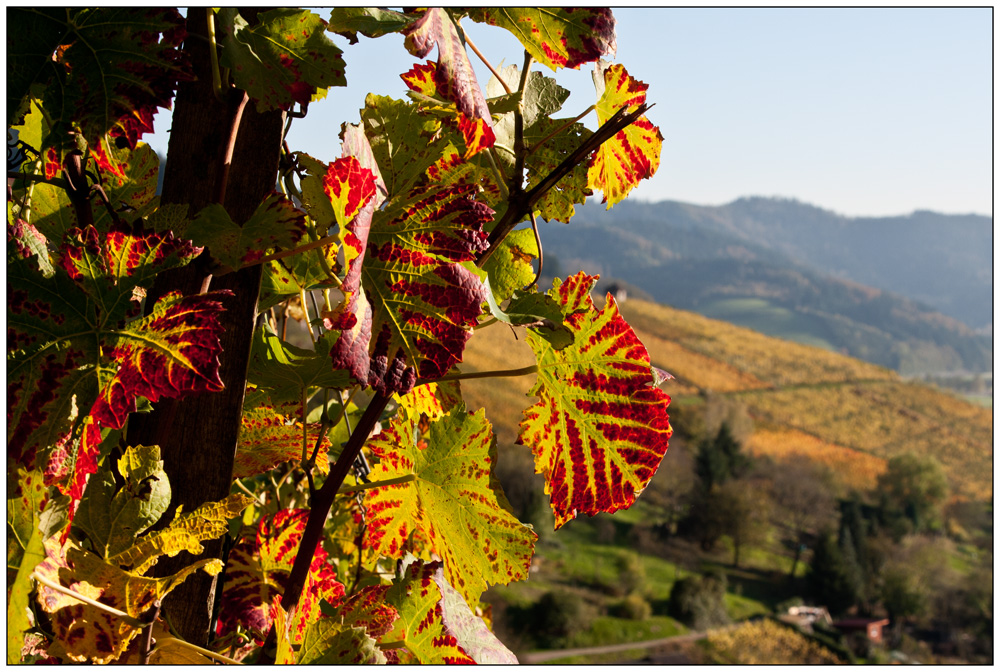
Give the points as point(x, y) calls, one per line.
point(861, 111)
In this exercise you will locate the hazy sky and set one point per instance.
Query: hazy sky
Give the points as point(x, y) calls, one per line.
point(861, 111)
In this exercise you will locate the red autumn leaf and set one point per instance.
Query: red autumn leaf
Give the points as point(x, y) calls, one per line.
point(454, 77)
point(477, 133)
point(267, 440)
point(600, 426)
point(258, 570)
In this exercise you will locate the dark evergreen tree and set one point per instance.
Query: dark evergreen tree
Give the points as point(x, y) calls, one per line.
point(828, 580)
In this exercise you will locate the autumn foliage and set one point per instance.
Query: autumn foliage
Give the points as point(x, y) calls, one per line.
point(364, 519)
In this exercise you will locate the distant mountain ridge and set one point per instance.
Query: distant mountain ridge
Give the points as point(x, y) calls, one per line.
point(897, 291)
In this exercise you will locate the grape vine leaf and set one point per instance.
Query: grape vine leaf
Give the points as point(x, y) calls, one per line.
point(113, 517)
point(84, 632)
point(436, 624)
point(258, 570)
point(329, 642)
point(275, 223)
point(509, 267)
point(454, 501)
point(477, 133)
point(283, 59)
point(634, 153)
point(98, 69)
point(424, 301)
point(285, 371)
point(369, 21)
point(267, 439)
point(355, 143)
point(600, 428)
point(434, 400)
point(558, 37)
point(184, 533)
point(454, 75)
point(549, 141)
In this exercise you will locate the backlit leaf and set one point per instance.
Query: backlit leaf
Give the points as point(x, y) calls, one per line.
point(454, 501)
point(369, 21)
point(558, 37)
point(423, 300)
point(600, 427)
point(283, 59)
point(287, 371)
point(258, 571)
point(101, 69)
point(634, 153)
point(477, 133)
point(329, 642)
point(275, 223)
point(112, 519)
point(509, 267)
point(455, 78)
point(267, 440)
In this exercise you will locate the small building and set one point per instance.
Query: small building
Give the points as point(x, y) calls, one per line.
point(804, 617)
point(871, 627)
point(619, 292)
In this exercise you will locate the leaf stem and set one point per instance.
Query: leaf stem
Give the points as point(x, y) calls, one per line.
point(377, 484)
point(538, 242)
point(500, 373)
point(482, 58)
point(31, 177)
point(134, 622)
point(392, 645)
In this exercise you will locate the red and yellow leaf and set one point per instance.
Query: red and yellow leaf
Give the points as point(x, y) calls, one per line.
point(258, 571)
point(424, 301)
point(454, 77)
point(478, 134)
point(558, 37)
point(600, 426)
point(634, 153)
point(267, 440)
point(453, 501)
point(276, 223)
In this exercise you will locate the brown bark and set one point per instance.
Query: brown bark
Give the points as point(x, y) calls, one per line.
point(197, 435)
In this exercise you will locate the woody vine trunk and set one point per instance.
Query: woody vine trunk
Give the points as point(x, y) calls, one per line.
point(197, 436)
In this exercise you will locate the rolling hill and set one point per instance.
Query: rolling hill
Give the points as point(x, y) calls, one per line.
point(849, 414)
point(897, 291)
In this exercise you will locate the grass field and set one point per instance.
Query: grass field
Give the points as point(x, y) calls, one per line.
point(766, 318)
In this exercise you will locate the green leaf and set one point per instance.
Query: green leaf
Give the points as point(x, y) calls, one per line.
point(113, 520)
point(634, 153)
point(19, 619)
point(600, 427)
point(287, 371)
point(98, 69)
point(275, 223)
point(369, 21)
point(454, 501)
point(557, 37)
point(285, 58)
point(509, 267)
point(327, 642)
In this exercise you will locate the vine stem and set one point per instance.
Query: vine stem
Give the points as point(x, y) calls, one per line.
point(32, 177)
point(227, 162)
point(214, 55)
point(320, 509)
point(501, 373)
point(523, 202)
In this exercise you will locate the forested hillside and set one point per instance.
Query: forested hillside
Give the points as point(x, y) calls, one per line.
point(902, 292)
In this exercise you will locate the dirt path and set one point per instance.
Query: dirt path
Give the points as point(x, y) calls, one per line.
point(536, 657)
